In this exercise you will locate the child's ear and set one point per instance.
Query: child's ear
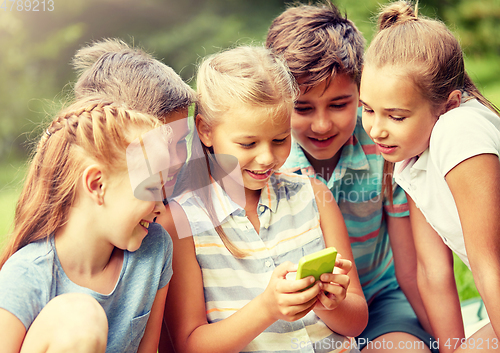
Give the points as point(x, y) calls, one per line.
point(204, 130)
point(454, 100)
point(93, 183)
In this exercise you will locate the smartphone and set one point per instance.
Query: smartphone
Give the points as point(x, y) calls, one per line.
point(317, 263)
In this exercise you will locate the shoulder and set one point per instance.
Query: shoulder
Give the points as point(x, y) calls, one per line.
point(469, 116)
point(34, 256)
point(156, 236)
point(26, 281)
point(464, 132)
point(156, 247)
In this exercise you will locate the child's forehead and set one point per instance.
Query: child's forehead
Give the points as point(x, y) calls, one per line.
point(338, 80)
point(259, 115)
point(337, 84)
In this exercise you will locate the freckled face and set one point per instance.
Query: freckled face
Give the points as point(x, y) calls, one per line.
point(395, 115)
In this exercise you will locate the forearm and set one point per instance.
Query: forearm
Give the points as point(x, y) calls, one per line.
point(231, 334)
point(487, 278)
point(349, 318)
point(405, 264)
point(442, 305)
point(409, 286)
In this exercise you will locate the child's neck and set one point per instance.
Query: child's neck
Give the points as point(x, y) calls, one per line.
point(87, 259)
point(252, 201)
point(324, 167)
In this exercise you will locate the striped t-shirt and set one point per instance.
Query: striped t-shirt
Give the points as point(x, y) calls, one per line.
point(289, 229)
point(356, 184)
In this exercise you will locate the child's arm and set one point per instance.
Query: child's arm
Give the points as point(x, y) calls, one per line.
point(347, 316)
point(475, 185)
point(185, 311)
point(12, 332)
point(436, 282)
point(151, 338)
point(405, 264)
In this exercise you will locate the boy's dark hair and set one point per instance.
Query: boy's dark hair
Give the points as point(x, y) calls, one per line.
point(317, 43)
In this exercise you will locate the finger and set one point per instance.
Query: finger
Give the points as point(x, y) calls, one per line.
point(299, 311)
point(282, 270)
point(292, 286)
point(334, 290)
point(329, 302)
point(342, 264)
point(339, 279)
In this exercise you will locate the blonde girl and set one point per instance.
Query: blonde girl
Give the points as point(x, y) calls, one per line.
point(426, 115)
point(230, 291)
point(86, 269)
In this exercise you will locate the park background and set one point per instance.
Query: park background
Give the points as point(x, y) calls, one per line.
point(36, 48)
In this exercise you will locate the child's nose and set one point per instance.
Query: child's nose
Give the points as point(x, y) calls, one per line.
point(265, 156)
point(159, 207)
point(377, 129)
point(321, 123)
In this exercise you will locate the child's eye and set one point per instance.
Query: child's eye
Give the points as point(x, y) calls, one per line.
point(247, 145)
point(280, 141)
point(338, 106)
point(397, 118)
point(302, 109)
point(367, 110)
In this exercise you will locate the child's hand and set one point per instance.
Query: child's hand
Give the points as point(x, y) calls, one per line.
point(335, 285)
point(283, 298)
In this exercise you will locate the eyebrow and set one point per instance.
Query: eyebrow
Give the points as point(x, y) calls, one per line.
point(331, 100)
point(389, 109)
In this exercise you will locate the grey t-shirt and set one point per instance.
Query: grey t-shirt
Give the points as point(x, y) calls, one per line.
point(33, 276)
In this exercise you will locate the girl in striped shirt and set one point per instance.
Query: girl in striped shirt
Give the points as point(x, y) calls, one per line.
point(241, 231)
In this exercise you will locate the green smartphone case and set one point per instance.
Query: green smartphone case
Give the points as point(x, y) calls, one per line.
point(317, 263)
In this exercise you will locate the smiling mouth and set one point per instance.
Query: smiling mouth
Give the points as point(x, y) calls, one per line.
point(260, 174)
point(144, 224)
point(385, 146)
point(170, 178)
point(321, 139)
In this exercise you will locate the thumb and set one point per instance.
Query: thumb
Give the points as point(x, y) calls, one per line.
point(286, 267)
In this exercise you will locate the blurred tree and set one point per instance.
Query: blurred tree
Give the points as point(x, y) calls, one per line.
point(37, 46)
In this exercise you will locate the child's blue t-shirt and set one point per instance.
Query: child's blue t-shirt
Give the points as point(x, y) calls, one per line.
point(33, 276)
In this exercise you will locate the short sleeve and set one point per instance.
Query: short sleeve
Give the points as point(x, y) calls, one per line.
point(399, 206)
point(22, 292)
point(460, 134)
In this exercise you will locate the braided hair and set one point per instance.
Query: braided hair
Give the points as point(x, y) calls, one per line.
point(90, 131)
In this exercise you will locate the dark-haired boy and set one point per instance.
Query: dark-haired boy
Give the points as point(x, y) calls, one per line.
point(324, 51)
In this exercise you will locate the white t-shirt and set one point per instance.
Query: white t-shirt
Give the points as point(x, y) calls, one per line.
point(459, 134)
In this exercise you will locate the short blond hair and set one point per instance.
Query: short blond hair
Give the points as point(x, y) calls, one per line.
point(130, 76)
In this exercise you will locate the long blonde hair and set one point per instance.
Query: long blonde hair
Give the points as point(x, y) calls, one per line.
point(90, 130)
point(430, 53)
point(245, 77)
